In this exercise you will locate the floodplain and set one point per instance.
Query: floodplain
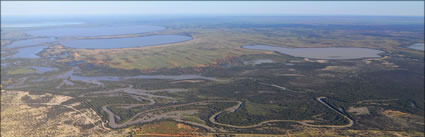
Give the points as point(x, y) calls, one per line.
point(348, 81)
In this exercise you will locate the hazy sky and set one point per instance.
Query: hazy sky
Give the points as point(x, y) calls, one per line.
point(385, 8)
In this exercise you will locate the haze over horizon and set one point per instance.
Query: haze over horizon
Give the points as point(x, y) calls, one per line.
point(331, 8)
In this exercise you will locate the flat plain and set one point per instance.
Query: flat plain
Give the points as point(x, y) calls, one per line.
point(211, 85)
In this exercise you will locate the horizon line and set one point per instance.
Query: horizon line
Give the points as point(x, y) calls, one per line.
point(335, 15)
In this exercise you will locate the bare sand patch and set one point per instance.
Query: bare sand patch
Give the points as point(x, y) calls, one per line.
point(17, 117)
point(339, 68)
point(359, 110)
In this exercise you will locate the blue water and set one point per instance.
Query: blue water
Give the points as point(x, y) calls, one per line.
point(417, 46)
point(258, 61)
point(94, 31)
point(124, 42)
point(39, 24)
point(44, 69)
point(3, 65)
point(29, 52)
point(30, 42)
point(96, 79)
point(321, 53)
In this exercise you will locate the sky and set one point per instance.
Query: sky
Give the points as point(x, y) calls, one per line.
point(367, 8)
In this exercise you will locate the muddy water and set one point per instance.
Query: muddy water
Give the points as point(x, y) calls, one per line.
point(44, 69)
point(258, 61)
point(72, 74)
point(417, 46)
point(94, 31)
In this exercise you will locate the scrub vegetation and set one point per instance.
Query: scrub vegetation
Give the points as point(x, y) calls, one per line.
point(211, 86)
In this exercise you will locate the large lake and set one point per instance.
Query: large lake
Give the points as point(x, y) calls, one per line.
point(39, 24)
point(94, 31)
point(30, 52)
point(124, 42)
point(321, 53)
point(417, 46)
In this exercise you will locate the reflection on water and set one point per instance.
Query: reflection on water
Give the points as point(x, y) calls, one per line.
point(321, 53)
point(39, 24)
point(72, 75)
point(116, 78)
point(44, 69)
point(30, 52)
point(258, 61)
point(94, 31)
point(3, 65)
point(417, 46)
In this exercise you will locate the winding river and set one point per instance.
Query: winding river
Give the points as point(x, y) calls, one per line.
point(212, 119)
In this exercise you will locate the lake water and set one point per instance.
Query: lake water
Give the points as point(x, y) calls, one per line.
point(94, 31)
point(117, 78)
point(124, 42)
point(44, 69)
point(417, 46)
point(97, 79)
point(30, 52)
point(321, 53)
point(170, 77)
point(4, 65)
point(258, 61)
point(30, 42)
point(39, 24)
